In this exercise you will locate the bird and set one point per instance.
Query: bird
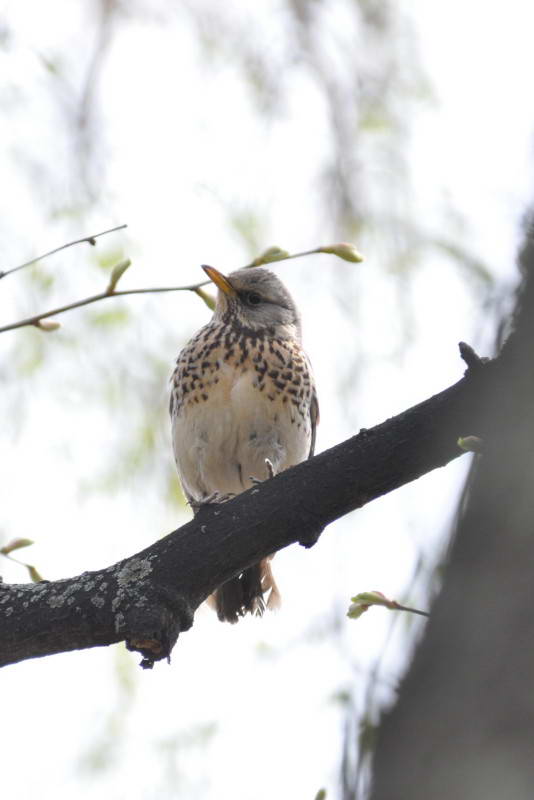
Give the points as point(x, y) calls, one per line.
point(243, 407)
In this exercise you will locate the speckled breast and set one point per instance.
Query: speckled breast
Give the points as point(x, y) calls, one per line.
point(238, 397)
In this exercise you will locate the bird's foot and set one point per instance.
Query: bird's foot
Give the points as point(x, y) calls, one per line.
point(270, 473)
point(215, 498)
point(270, 469)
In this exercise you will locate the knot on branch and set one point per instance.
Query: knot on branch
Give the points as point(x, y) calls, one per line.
point(313, 524)
point(149, 617)
point(152, 624)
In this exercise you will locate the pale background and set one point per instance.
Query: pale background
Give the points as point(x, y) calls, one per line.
point(207, 128)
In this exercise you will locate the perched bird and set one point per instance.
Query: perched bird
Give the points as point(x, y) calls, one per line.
point(243, 407)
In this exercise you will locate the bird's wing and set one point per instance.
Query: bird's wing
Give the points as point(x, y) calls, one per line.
point(314, 416)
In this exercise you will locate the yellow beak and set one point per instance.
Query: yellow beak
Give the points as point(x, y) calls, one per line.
point(220, 280)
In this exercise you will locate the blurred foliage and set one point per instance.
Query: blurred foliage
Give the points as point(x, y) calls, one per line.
point(367, 72)
point(106, 258)
point(42, 279)
point(104, 748)
point(178, 750)
point(369, 79)
point(28, 355)
point(111, 318)
point(248, 225)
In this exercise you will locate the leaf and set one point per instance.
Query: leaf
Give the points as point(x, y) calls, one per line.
point(15, 544)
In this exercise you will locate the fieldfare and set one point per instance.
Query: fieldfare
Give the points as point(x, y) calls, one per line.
point(243, 407)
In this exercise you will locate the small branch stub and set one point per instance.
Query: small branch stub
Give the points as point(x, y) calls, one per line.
point(474, 362)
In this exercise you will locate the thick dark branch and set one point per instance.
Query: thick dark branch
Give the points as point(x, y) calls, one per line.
point(150, 598)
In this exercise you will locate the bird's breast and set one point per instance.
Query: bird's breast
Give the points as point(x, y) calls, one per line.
point(235, 402)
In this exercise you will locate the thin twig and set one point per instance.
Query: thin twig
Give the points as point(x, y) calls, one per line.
point(398, 607)
point(259, 263)
point(36, 318)
point(93, 299)
point(89, 239)
point(34, 573)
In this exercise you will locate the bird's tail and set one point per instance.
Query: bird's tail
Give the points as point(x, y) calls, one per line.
point(251, 592)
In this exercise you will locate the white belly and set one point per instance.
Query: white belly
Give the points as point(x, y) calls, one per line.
point(221, 442)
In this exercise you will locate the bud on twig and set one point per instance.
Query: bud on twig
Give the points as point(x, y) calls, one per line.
point(34, 574)
point(15, 544)
point(361, 602)
point(471, 444)
point(208, 298)
point(47, 325)
point(343, 250)
point(116, 274)
point(269, 255)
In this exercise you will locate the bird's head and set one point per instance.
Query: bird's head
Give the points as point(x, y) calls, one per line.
point(256, 299)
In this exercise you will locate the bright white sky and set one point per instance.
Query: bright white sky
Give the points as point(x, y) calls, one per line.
point(261, 693)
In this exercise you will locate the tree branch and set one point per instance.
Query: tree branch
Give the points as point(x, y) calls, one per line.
point(149, 598)
point(89, 239)
point(344, 250)
point(95, 298)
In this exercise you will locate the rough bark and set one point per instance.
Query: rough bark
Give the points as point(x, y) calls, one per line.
point(463, 726)
point(149, 598)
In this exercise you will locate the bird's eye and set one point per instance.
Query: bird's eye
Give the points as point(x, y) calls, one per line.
point(253, 298)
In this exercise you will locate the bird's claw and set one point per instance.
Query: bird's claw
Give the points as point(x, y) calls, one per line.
point(270, 473)
point(212, 499)
point(270, 468)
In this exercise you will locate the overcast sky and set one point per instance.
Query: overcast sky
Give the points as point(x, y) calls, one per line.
point(249, 711)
